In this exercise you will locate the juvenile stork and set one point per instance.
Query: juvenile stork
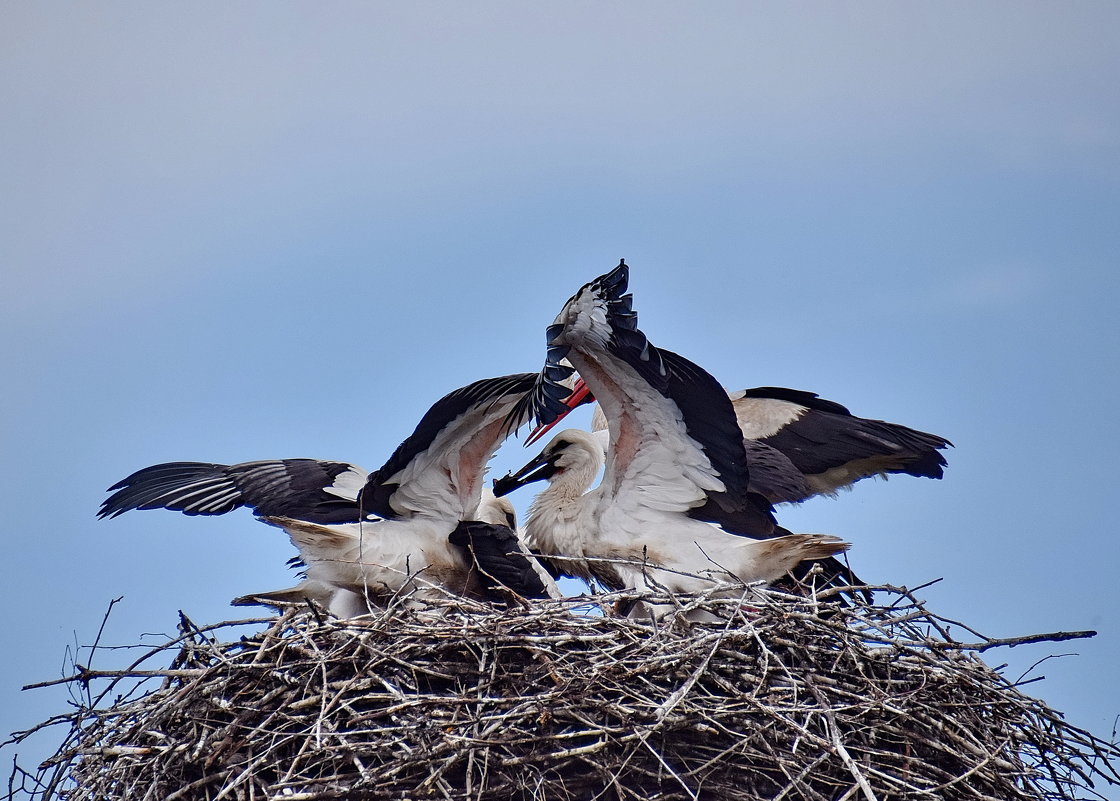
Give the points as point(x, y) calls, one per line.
point(673, 508)
point(419, 524)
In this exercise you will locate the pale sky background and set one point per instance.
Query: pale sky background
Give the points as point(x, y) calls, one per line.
point(247, 231)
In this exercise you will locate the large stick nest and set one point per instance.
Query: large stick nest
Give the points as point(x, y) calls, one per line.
point(784, 698)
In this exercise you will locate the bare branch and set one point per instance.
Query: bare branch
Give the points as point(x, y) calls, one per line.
point(776, 695)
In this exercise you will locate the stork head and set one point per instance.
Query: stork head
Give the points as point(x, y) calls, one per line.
point(495, 511)
point(572, 451)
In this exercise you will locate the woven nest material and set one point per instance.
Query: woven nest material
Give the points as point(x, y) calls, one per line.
point(784, 698)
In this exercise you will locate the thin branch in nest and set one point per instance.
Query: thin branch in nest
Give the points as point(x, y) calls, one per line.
point(802, 698)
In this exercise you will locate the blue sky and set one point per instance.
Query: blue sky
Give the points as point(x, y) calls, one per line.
point(237, 232)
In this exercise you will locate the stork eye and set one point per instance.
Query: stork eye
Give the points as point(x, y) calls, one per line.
point(561, 445)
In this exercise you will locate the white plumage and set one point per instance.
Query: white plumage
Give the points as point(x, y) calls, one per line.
point(407, 528)
point(673, 497)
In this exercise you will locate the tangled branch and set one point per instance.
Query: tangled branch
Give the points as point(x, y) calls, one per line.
point(782, 697)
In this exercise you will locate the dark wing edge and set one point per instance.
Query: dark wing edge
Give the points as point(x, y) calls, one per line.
point(810, 400)
point(709, 419)
point(545, 402)
point(819, 441)
point(375, 495)
point(545, 399)
point(708, 414)
point(282, 488)
point(705, 407)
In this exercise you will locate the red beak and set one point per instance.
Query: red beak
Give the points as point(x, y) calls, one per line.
point(579, 395)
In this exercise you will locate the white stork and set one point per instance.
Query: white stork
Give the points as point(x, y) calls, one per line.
point(673, 499)
point(420, 523)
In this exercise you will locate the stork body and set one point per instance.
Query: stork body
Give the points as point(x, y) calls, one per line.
point(411, 527)
point(674, 497)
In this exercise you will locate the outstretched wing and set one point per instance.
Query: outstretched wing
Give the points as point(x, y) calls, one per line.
point(772, 474)
point(438, 470)
point(830, 445)
point(675, 441)
point(304, 489)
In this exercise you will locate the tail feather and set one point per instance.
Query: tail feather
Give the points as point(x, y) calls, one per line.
point(780, 555)
point(339, 602)
point(313, 540)
point(292, 595)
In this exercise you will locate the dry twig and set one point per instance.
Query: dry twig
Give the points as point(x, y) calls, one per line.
point(793, 698)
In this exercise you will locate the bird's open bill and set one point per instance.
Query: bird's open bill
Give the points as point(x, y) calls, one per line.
point(580, 395)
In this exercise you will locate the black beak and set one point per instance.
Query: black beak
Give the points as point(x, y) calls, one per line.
point(540, 469)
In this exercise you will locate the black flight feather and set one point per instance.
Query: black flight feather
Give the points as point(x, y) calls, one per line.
point(809, 400)
point(495, 552)
point(293, 488)
point(823, 439)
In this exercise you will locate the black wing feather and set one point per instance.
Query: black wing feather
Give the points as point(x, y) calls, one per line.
point(810, 400)
point(819, 441)
point(707, 412)
point(280, 488)
point(545, 402)
point(773, 475)
point(830, 436)
point(495, 552)
point(709, 419)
